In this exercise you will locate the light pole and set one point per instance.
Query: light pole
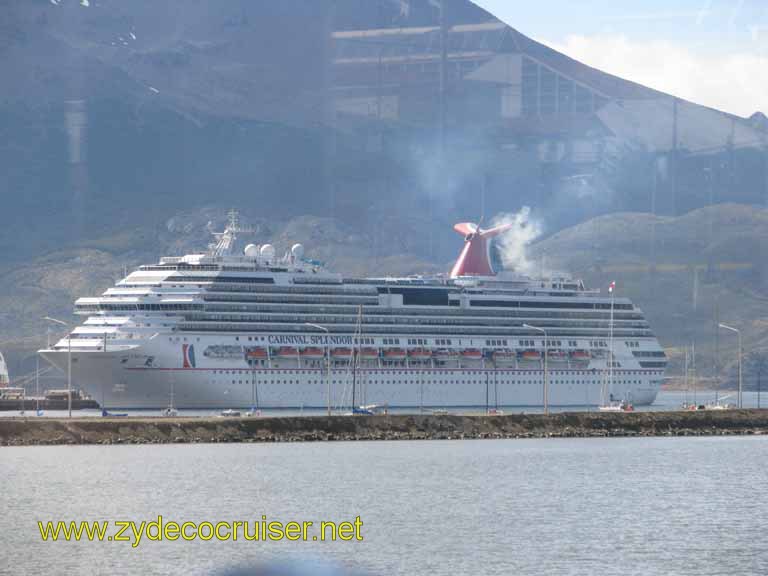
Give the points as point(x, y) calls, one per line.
point(69, 362)
point(738, 333)
point(327, 363)
point(546, 374)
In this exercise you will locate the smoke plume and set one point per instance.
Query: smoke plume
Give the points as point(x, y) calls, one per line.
point(512, 245)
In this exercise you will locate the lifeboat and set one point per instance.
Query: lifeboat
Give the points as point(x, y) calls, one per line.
point(531, 355)
point(472, 354)
point(312, 353)
point(369, 353)
point(287, 352)
point(420, 354)
point(256, 353)
point(581, 356)
point(394, 354)
point(504, 356)
point(341, 353)
point(445, 353)
point(557, 356)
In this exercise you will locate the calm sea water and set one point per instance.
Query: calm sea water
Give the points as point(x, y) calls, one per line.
point(645, 506)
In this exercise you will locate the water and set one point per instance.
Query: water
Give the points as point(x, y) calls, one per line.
point(666, 400)
point(640, 506)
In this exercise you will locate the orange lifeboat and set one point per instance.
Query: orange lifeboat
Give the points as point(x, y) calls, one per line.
point(256, 353)
point(472, 354)
point(581, 356)
point(445, 354)
point(312, 353)
point(287, 352)
point(341, 352)
point(369, 353)
point(531, 355)
point(420, 354)
point(394, 354)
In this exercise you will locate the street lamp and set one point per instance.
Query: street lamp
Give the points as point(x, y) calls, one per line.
point(69, 362)
point(546, 374)
point(738, 333)
point(37, 379)
point(327, 362)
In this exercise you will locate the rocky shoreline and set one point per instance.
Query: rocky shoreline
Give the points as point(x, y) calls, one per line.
point(54, 431)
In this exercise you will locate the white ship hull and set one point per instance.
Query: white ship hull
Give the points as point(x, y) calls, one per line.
point(117, 383)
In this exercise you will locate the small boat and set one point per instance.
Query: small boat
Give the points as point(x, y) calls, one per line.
point(169, 413)
point(419, 354)
point(581, 356)
point(557, 356)
point(472, 354)
point(287, 352)
point(369, 353)
point(341, 353)
point(531, 355)
point(504, 356)
point(369, 410)
point(312, 353)
point(256, 353)
point(495, 412)
point(229, 413)
point(622, 406)
point(718, 405)
point(444, 354)
point(109, 414)
point(394, 354)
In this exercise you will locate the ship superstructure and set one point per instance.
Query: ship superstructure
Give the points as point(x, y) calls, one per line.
point(225, 330)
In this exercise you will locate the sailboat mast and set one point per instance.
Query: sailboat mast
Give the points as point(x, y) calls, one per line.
point(363, 383)
point(686, 385)
point(693, 370)
point(355, 355)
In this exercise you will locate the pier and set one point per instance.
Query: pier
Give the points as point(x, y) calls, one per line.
point(23, 431)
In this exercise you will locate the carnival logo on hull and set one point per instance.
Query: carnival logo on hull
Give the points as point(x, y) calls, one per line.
point(188, 354)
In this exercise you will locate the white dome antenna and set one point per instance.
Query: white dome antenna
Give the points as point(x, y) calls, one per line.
point(252, 251)
point(267, 252)
point(297, 251)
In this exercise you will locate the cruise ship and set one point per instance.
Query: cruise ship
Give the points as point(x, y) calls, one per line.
point(232, 328)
